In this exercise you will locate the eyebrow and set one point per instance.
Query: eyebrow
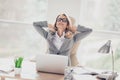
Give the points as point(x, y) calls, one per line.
point(62, 18)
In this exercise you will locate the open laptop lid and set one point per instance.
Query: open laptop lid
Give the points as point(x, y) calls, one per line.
point(51, 63)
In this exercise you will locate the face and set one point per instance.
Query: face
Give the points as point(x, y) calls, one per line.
point(62, 22)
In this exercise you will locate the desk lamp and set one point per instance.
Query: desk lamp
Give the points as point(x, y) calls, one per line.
point(106, 48)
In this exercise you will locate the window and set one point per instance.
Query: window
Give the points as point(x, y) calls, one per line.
point(17, 34)
point(103, 17)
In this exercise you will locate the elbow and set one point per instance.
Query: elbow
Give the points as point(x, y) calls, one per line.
point(89, 30)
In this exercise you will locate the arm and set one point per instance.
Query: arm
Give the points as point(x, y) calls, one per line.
point(39, 27)
point(82, 33)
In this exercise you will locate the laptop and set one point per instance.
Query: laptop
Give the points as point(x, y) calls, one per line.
point(51, 63)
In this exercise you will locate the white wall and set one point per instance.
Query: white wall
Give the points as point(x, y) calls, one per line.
point(55, 7)
point(100, 14)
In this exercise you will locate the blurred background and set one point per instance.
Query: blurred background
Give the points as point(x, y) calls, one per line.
point(18, 36)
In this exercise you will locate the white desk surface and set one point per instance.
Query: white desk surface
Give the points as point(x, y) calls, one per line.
point(29, 73)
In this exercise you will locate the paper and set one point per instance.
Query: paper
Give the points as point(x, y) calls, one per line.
point(6, 65)
point(10, 79)
point(6, 69)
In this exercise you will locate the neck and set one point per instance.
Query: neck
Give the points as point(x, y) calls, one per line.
point(60, 32)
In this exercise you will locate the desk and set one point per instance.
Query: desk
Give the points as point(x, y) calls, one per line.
point(29, 73)
point(82, 73)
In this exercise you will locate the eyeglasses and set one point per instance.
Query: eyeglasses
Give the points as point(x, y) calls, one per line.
point(62, 19)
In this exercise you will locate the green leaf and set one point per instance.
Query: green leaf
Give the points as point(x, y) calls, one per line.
point(18, 62)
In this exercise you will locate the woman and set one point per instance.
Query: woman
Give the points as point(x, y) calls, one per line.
point(61, 36)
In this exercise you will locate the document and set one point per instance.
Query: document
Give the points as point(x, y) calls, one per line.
point(6, 66)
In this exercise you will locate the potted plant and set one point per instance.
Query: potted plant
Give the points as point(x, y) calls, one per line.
point(18, 64)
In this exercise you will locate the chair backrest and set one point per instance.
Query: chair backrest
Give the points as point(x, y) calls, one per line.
point(73, 53)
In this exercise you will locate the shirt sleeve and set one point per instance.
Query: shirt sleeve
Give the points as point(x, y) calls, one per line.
point(39, 27)
point(82, 33)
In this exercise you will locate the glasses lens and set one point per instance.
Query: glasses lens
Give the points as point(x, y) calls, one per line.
point(62, 19)
point(59, 19)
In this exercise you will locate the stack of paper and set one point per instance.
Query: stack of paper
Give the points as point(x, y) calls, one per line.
point(6, 69)
point(6, 65)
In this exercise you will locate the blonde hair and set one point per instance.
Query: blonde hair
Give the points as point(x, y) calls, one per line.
point(68, 18)
point(72, 20)
point(68, 33)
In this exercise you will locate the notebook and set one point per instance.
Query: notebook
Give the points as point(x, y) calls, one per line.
point(51, 63)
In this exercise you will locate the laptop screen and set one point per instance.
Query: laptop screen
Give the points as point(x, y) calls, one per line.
point(51, 63)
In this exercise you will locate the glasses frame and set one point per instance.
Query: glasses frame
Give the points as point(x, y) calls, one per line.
point(65, 20)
